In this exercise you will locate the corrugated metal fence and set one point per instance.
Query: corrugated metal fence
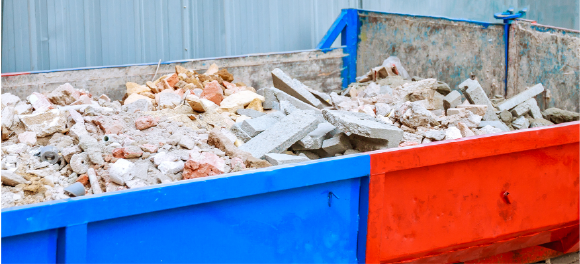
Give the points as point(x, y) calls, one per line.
point(57, 34)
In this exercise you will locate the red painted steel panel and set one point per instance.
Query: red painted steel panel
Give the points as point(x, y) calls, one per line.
point(447, 202)
point(526, 255)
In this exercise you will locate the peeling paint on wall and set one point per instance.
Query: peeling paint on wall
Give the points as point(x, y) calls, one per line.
point(430, 47)
point(316, 69)
point(547, 55)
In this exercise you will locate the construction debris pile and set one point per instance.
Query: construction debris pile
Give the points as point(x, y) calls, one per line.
point(187, 125)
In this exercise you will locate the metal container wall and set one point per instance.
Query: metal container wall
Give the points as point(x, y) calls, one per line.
point(307, 212)
point(476, 197)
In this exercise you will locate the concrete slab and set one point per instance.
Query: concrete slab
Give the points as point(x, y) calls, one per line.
point(521, 97)
point(475, 95)
point(294, 88)
point(255, 126)
point(279, 159)
point(364, 125)
point(282, 135)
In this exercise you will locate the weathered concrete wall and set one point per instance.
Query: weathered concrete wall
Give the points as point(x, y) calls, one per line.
point(441, 48)
point(547, 55)
point(317, 69)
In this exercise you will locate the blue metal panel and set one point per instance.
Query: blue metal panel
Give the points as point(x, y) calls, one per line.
point(35, 247)
point(295, 225)
point(60, 213)
point(284, 213)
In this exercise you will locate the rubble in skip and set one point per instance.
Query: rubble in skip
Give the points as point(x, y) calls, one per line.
point(187, 125)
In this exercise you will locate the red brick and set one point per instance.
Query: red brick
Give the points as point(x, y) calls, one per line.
point(145, 122)
point(213, 92)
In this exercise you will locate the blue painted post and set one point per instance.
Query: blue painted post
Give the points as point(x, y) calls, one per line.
point(347, 25)
point(72, 244)
point(349, 38)
point(508, 16)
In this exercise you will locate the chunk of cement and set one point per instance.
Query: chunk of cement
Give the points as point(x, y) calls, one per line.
point(521, 123)
point(141, 105)
point(121, 171)
point(270, 97)
point(435, 134)
point(382, 109)
point(294, 88)
point(282, 135)
point(558, 116)
point(530, 106)
point(364, 125)
point(287, 107)
point(239, 132)
point(506, 116)
point(282, 96)
point(496, 124)
point(521, 97)
point(250, 112)
point(336, 145)
point(452, 133)
point(46, 123)
point(540, 122)
point(410, 137)
point(456, 111)
point(168, 100)
point(323, 97)
point(279, 159)
point(315, 138)
point(255, 126)
point(475, 95)
point(12, 179)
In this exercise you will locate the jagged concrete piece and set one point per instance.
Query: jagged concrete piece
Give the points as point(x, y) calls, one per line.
point(336, 145)
point(521, 123)
point(255, 126)
point(315, 138)
point(452, 100)
point(294, 88)
point(269, 96)
point(496, 124)
point(12, 179)
point(279, 159)
point(250, 112)
point(364, 125)
point(475, 95)
point(240, 133)
point(282, 135)
point(46, 123)
point(521, 97)
point(529, 105)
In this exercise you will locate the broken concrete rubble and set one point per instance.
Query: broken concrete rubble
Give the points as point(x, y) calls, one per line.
point(294, 88)
point(187, 125)
point(282, 135)
point(521, 97)
point(475, 94)
point(279, 159)
point(364, 125)
point(558, 116)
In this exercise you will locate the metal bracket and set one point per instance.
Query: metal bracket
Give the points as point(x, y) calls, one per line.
point(508, 16)
point(347, 25)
